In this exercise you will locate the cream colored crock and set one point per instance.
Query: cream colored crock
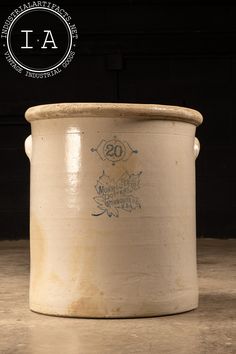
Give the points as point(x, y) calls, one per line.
point(112, 209)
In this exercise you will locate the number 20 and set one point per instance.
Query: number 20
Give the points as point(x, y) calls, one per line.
point(114, 150)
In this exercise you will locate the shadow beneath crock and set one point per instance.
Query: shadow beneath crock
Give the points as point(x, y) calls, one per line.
point(110, 318)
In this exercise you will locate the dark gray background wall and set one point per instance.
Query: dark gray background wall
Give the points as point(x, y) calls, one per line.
point(167, 52)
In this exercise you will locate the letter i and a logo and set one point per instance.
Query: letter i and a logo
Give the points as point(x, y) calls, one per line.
point(49, 33)
point(39, 41)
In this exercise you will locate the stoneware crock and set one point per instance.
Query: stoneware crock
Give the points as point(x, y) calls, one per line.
point(112, 209)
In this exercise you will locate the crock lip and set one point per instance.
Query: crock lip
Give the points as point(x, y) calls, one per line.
point(112, 110)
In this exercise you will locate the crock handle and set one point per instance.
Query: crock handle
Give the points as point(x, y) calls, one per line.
point(28, 146)
point(196, 147)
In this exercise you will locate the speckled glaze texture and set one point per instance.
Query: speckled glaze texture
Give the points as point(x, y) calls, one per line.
point(112, 209)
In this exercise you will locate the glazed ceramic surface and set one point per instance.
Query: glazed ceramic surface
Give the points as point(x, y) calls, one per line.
point(112, 209)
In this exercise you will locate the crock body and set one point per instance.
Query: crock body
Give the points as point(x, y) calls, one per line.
point(112, 216)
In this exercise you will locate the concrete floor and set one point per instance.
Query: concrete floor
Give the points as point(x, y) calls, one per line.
point(209, 329)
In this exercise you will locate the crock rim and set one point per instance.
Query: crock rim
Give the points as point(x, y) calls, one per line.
point(113, 110)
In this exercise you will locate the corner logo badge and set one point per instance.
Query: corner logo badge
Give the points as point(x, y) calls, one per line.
point(39, 39)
